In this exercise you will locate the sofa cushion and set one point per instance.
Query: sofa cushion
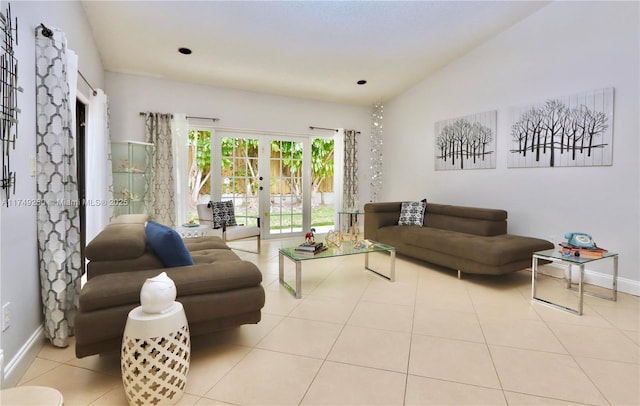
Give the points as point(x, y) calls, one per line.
point(117, 241)
point(167, 244)
point(495, 251)
point(204, 243)
point(412, 213)
point(223, 213)
point(123, 288)
point(148, 260)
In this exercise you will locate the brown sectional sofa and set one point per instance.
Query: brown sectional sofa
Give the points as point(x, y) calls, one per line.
point(219, 291)
point(468, 239)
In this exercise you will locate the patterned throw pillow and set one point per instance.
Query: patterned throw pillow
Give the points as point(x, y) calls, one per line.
point(223, 213)
point(412, 213)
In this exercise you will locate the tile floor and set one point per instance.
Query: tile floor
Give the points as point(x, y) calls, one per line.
point(426, 339)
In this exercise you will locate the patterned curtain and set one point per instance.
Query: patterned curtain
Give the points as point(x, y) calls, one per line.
point(57, 188)
point(350, 184)
point(158, 133)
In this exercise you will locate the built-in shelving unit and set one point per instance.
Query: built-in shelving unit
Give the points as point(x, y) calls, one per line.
point(132, 177)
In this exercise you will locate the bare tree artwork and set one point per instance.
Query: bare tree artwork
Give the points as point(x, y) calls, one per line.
point(466, 142)
point(570, 131)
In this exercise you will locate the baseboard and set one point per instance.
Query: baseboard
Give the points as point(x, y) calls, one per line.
point(625, 285)
point(16, 368)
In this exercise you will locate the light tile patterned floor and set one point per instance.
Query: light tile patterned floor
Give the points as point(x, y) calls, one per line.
point(426, 339)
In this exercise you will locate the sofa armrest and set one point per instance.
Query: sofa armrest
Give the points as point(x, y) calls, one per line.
point(377, 215)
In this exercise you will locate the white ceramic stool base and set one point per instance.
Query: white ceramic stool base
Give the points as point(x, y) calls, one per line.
point(156, 350)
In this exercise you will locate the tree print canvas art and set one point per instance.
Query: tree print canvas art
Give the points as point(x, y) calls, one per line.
point(467, 142)
point(568, 131)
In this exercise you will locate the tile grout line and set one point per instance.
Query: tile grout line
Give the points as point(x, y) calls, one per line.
point(324, 360)
point(546, 323)
point(486, 344)
point(413, 322)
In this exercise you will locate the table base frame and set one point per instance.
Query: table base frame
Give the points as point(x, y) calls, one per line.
point(569, 285)
point(297, 292)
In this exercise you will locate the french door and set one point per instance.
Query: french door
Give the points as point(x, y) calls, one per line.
point(267, 177)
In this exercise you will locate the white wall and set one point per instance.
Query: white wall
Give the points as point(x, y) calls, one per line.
point(129, 95)
point(19, 255)
point(563, 49)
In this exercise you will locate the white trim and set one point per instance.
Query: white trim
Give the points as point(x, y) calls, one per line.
point(259, 132)
point(625, 285)
point(16, 368)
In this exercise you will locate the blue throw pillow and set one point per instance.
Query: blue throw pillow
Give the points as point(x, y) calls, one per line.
point(167, 245)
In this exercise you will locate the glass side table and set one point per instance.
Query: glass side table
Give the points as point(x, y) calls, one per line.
point(570, 261)
point(193, 231)
point(353, 228)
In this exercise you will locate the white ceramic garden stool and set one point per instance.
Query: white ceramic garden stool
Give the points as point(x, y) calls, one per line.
point(156, 350)
point(30, 396)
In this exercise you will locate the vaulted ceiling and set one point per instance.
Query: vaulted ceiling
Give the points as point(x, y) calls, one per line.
point(308, 49)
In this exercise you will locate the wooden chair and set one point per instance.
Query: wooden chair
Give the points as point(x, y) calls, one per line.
point(220, 216)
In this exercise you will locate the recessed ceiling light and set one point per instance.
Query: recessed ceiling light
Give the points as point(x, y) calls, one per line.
point(362, 82)
point(184, 51)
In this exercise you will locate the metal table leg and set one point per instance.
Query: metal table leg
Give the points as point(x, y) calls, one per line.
point(534, 271)
point(392, 266)
point(297, 292)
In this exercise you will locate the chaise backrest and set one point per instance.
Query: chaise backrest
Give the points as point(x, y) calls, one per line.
point(123, 238)
point(121, 247)
point(471, 220)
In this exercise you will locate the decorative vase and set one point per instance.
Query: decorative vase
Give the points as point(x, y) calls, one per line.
point(157, 294)
point(334, 239)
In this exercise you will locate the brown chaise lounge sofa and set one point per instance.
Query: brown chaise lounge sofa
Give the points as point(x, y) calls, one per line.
point(219, 291)
point(467, 239)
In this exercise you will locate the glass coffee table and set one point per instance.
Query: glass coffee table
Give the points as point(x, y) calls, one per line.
point(554, 255)
point(347, 248)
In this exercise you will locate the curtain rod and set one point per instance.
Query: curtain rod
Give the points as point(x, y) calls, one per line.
point(204, 118)
point(323, 128)
point(95, 92)
point(329, 129)
point(49, 34)
point(142, 113)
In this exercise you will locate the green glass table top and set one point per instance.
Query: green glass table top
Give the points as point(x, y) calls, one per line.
point(347, 248)
point(556, 254)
